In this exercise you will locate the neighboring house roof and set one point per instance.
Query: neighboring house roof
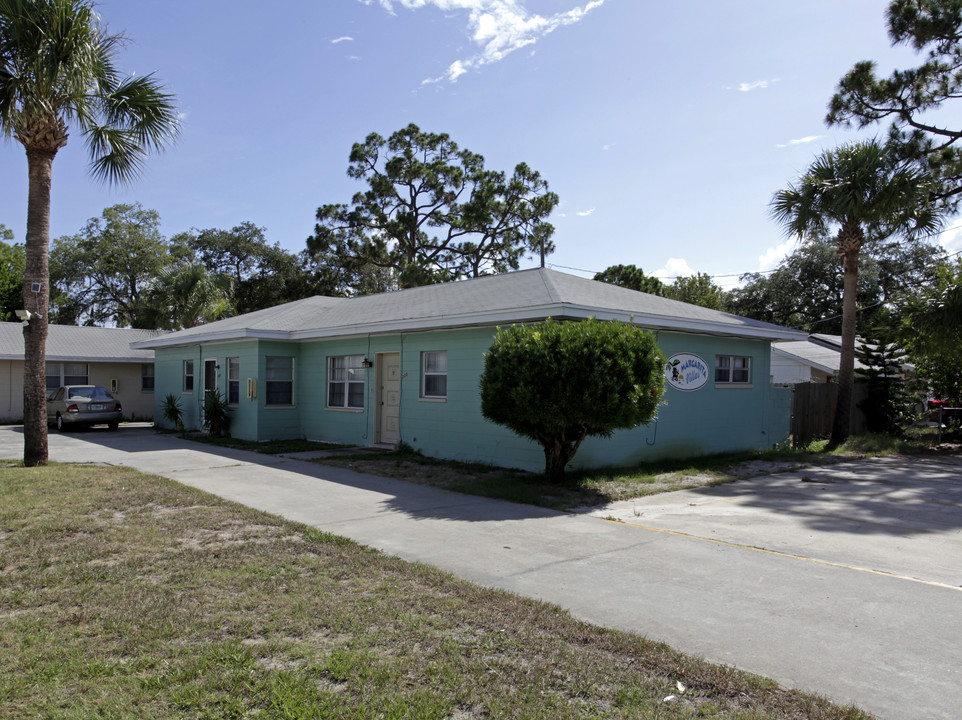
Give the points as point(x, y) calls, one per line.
point(522, 296)
point(72, 343)
point(818, 352)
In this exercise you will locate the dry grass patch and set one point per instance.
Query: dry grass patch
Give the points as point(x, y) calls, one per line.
point(128, 596)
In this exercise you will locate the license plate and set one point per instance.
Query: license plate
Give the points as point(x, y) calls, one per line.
point(97, 407)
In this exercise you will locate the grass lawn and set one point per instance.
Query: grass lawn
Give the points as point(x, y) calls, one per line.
point(124, 595)
point(598, 487)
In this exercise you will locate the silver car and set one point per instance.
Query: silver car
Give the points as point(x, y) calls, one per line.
point(77, 405)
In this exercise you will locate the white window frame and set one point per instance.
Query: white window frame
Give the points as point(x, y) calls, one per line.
point(268, 381)
point(353, 369)
point(61, 374)
point(144, 375)
point(726, 365)
point(188, 373)
point(434, 373)
point(233, 380)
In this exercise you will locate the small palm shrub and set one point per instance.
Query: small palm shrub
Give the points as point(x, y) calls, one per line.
point(173, 413)
point(216, 414)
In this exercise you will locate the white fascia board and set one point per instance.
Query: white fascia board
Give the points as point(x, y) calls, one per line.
point(220, 336)
point(84, 359)
point(555, 310)
point(804, 361)
point(474, 319)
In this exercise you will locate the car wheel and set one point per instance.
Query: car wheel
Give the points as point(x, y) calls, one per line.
point(113, 425)
point(60, 426)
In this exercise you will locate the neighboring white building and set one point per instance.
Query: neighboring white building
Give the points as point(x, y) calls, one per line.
point(812, 360)
point(82, 356)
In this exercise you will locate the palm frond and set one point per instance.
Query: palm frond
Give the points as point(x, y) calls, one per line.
point(57, 67)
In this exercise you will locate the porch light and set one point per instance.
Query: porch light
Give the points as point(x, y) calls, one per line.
point(367, 363)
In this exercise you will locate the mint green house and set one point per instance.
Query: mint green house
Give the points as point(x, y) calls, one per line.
point(405, 366)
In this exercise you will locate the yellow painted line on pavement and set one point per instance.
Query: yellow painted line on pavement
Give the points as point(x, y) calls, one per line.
point(790, 556)
point(827, 515)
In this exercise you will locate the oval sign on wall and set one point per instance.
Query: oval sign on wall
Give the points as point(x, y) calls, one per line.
point(686, 371)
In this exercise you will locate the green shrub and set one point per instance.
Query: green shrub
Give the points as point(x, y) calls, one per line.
point(173, 413)
point(216, 414)
point(559, 382)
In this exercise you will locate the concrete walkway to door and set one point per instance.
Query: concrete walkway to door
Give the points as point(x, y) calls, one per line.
point(816, 611)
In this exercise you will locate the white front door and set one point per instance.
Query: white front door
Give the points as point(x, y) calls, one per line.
point(388, 398)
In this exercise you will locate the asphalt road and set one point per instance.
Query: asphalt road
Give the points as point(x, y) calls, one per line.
point(843, 581)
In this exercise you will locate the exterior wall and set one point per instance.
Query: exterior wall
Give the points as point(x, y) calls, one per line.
point(11, 395)
point(169, 371)
point(715, 418)
point(788, 372)
point(137, 404)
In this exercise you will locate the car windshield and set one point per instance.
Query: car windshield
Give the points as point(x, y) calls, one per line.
point(92, 393)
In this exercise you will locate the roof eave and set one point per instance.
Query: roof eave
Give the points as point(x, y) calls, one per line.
point(219, 336)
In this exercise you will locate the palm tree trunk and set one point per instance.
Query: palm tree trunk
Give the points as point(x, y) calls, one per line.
point(842, 427)
point(40, 165)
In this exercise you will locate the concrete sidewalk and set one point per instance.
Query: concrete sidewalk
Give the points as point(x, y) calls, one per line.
point(812, 611)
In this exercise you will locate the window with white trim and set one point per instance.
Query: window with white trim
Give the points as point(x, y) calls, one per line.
point(733, 369)
point(279, 380)
point(233, 381)
point(146, 377)
point(68, 373)
point(188, 376)
point(434, 374)
point(345, 381)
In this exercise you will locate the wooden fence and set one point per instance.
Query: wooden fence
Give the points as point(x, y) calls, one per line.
point(813, 411)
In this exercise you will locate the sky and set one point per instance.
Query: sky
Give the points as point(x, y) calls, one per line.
point(665, 128)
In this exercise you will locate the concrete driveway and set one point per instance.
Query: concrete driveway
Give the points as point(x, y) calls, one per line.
point(843, 581)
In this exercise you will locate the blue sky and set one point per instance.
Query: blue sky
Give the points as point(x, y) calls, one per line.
point(665, 128)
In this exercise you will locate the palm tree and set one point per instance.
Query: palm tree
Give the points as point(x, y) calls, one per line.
point(185, 296)
point(56, 70)
point(859, 190)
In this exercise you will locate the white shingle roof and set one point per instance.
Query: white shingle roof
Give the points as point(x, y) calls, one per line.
point(66, 343)
point(520, 296)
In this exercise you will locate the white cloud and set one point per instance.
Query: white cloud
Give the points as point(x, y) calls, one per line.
point(951, 243)
point(345, 38)
point(586, 213)
point(608, 146)
point(757, 85)
point(774, 255)
point(800, 141)
point(675, 267)
point(498, 27)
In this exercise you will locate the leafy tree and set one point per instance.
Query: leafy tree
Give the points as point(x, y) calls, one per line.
point(907, 98)
point(259, 275)
point(431, 213)
point(12, 263)
point(57, 69)
point(697, 289)
point(183, 296)
point(856, 189)
point(631, 277)
point(805, 290)
point(104, 273)
point(932, 332)
point(557, 383)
